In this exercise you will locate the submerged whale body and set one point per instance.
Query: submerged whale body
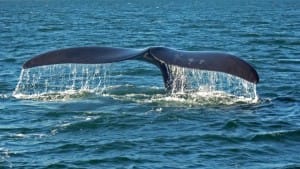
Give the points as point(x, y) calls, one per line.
point(162, 57)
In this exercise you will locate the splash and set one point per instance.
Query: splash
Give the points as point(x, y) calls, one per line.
point(190, 86)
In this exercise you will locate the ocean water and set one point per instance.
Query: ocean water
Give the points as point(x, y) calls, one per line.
point(120, 116)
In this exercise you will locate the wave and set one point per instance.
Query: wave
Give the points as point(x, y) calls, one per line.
point(278, 136)
point(8, 60)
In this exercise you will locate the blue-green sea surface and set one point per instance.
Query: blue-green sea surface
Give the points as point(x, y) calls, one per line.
point(120, 116)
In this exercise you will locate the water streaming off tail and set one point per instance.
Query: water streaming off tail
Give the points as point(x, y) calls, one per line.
point(74, 80)
point(59, 80)
point(206, 86)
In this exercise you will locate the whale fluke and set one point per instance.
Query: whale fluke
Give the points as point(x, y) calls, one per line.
point(162, 57)
point(213, 61)
point(83, 55)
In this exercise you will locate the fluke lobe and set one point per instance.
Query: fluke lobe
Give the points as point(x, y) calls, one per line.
point(162, 57)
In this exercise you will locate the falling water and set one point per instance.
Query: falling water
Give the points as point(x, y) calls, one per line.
point(209, 86)
point(61, 80)
point(189, 85)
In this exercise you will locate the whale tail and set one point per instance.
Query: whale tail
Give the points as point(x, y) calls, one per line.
point(162, 57)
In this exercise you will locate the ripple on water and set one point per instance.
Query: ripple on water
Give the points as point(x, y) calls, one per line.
point(72, 117)
point(8, 60)
point(277, 136)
